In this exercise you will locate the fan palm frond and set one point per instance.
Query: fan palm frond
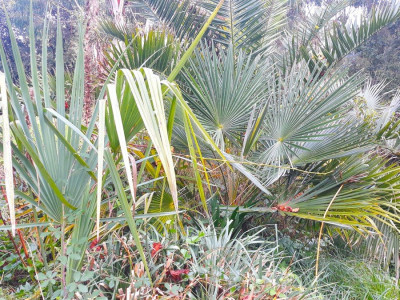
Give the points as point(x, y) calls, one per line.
point(57, 183)
point(224, 89)
point(372, 94)
point(354, 192)
point(388, 111)
point(116, 31)
point(162, 202)
point(344, 140)
point(302, 112)
point(381, 117)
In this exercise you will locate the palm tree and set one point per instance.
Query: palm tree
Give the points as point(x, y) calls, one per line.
point(262, 111)
point(279, 101)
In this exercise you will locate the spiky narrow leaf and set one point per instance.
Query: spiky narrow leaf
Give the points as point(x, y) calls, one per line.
point(100, 163)
point(121, 136)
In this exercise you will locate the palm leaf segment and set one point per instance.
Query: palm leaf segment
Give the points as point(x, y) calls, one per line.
point(299, 38)
point(371, 107)
point(388, 250)
point(245, 24)
point(158, 50)
point(249, 24)
point(183, 18)
point(337, 40)
point(342, 40)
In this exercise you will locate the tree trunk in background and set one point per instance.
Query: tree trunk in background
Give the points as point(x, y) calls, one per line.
point(91, 56)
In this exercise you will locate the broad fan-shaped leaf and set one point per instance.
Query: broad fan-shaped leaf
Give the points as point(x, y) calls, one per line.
point(57, 182)
point(224, 89)
point(301, 110)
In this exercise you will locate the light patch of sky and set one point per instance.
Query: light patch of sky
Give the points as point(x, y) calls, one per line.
point(354, 14)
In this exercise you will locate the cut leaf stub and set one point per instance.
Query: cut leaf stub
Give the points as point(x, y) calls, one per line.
point(286, 208)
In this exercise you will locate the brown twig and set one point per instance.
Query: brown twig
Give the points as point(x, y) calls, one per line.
point(164, 272)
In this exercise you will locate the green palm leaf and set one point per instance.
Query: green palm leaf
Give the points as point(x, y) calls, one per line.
point(157, 50)
point(367, 191)
point(64, 181)
point(339, 40)
point(184, 18)
point(130, 115)
point(223, 89)
point(343, 40)
point(385, 246)
point(248, 24)
point(145, 88)
point(305, 121)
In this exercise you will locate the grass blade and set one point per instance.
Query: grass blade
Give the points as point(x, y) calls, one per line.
point(100, 157)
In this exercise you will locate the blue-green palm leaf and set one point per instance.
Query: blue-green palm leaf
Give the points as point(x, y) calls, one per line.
point(306, 118)
point(223, 90)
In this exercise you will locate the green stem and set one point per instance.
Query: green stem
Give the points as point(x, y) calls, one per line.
point(171, 118)
point(63, 273)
